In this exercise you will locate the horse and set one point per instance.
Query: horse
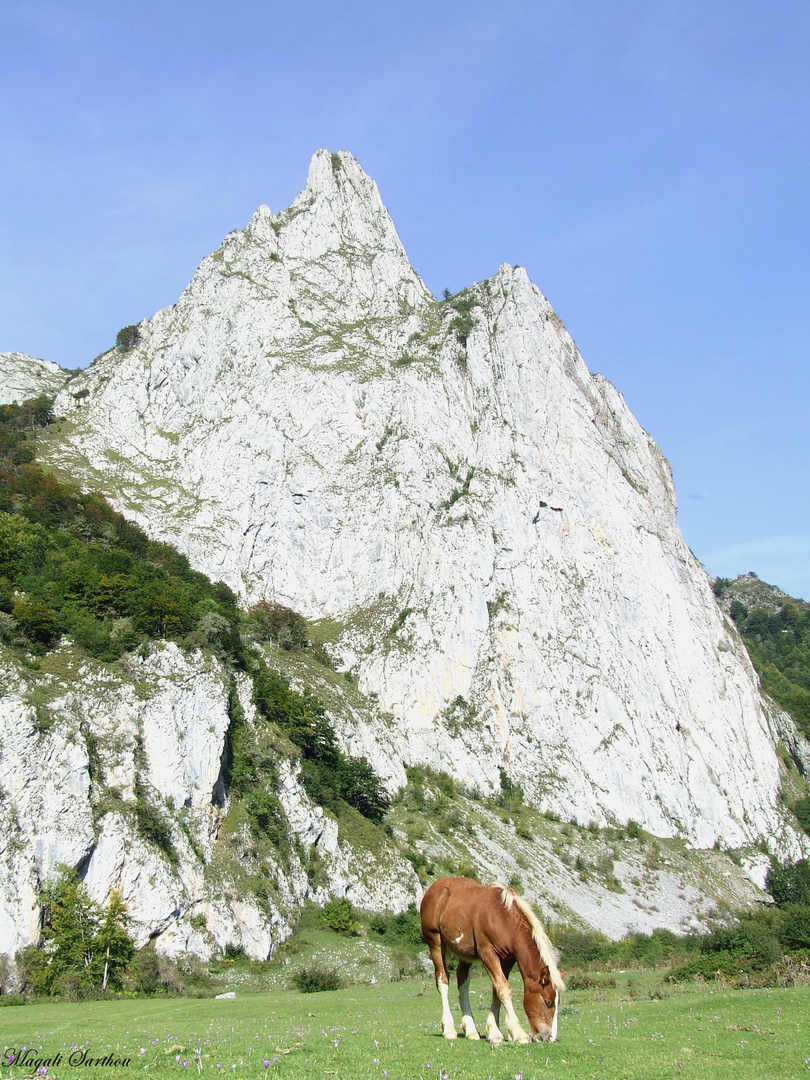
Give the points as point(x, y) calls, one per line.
point(491, 923)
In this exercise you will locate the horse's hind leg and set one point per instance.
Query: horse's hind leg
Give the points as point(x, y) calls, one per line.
point(467, 1022)
point(501, 995)
point(494, 1020)
point(438, 955)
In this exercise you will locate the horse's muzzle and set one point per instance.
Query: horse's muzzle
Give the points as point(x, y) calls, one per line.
point(544, 1036)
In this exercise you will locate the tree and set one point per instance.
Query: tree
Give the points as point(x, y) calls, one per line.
point(36, 621)
point(127, 338)
point(69, 926)
point(274, 622)
point(361, 788)
point(82, 948)
point(789, 883)
point(113, 944)
point(738, 611)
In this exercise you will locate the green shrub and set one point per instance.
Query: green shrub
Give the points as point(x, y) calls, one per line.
point(338, 915)
point(802, 811)
point(463, 322)
point(583, 946)
point(405, 927)
point(511, 794)
point(313, 980)
point(153, 825)
point(37, 622)
point(738, 611)
point(749, 945)
point(266, 814)
point(794, 927)
point(145, 971)
point(273, 622)
point(789, 883)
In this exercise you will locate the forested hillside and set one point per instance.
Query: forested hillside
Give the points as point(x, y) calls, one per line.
point(776, 630)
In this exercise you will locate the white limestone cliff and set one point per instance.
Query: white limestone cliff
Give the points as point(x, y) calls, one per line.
point(76, 736)
point(485, 519)
point(24, 377)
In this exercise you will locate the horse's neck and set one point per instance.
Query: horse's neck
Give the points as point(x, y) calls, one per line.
point(526, 952)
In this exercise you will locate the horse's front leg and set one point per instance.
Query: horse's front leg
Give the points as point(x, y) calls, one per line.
point(467, 1022)
point(494, 1020)
point(437, 955)
point(502, 995)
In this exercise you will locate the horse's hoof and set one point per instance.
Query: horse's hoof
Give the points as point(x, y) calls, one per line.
point(494, 1041)
point(450, 1035)
point(472, 1034)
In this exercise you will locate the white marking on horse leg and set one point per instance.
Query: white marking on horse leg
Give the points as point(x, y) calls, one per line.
point(553, 1036)
point(449, 1028)
point(493, 1020)
point(516, 1032)
point(467, 1022)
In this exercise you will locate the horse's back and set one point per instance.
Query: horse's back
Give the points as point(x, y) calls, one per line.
point(451, 904)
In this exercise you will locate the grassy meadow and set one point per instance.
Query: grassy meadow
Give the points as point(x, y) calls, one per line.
point(636, 1029)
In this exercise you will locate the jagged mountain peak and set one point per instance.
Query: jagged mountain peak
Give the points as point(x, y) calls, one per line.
point(338, 195)
point(337, 237)
point(324, 282)
point(340, 176)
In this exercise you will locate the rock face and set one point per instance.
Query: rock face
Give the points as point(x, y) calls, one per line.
point(79, 744)
point(484, 522)
point(24, 377)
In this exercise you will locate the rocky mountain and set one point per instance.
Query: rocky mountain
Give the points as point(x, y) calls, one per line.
point(491, 532)
point(483, 538)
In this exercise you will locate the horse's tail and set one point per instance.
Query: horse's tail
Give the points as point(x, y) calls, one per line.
point(548, 954)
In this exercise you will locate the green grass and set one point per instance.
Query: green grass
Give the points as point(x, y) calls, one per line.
point(392, 1033)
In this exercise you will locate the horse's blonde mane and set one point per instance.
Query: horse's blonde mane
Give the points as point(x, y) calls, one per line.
point(548, 954)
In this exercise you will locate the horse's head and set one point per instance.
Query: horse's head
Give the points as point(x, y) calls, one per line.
point(540, 1002)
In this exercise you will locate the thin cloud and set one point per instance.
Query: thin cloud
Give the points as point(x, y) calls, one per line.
point(774, 547)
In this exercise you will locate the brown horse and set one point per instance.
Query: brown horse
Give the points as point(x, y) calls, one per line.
point(491, 923)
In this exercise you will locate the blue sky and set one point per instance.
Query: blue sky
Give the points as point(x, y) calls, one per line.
point(649, 164)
